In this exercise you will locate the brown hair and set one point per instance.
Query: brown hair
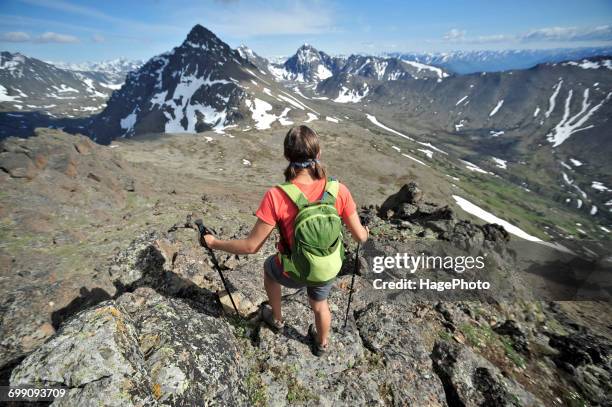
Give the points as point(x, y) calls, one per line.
point(302, 144)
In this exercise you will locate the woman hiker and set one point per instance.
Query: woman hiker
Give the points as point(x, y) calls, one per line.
point(318, 203)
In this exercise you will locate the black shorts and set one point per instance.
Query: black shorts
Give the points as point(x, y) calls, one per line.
point(275, 271)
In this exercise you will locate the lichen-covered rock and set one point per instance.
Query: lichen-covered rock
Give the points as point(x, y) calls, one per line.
point(139, 260)
point(191, 358)
point(96, 355)
point(176, 267)
point(142, 349)
point(291, 372)
point(471, 380)
point(587, 358)
point(358, 386)
point(403, 339)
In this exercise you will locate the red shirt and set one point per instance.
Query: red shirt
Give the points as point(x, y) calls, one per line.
point(277, 208)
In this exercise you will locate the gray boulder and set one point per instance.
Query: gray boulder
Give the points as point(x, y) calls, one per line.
point(409, 193)
point(191, 358)
point(95, 355)
point(471, 380)
point(142, 349)
point(402, 339)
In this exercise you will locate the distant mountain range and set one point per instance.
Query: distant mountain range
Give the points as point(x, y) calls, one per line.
point(112, 71)
point(463, 62)
point(309, 65)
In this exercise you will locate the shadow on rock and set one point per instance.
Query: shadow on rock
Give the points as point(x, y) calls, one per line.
point(86, 299)
point(147, 263)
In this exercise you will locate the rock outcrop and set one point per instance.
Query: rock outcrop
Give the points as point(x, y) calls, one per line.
point(141, 349)
point(471, 380)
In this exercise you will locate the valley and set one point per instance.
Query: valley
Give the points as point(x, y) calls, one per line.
point(527, 145)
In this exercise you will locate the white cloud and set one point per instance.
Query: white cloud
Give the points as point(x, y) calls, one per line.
point(483, 39)
point(55, 37)
point(98, 38)
point(15, 36)
point(48, 37)
point(455, 35)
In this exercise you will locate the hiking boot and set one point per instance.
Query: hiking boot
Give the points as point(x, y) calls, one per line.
point(268, 317)
point(317, 348)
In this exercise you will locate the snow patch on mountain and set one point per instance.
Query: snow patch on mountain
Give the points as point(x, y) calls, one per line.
point(496, 108)
point(281, 74)
point(428, 153)
point(473, 167)
point(322, 72)
point(503, 164)
point(373, 119)
point(600, 186)
point(298, 92)
point(553, 98)
point(571, 183)
point(586, 64)
point(441, 74)
point(184, 115)
point(259, 111)
point(480, 213)
point(570, 125)
point(128, 122)
point(432, 147)
point(461, 100)
point(282, 119)
point(575, 162)
point(347, 95)
point(311, 117)
point(5, 97)
point(415, 159)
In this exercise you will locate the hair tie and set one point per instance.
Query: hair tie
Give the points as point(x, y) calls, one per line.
point(304, 164)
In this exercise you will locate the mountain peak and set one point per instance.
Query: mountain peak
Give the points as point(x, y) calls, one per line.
point(200, 35)
point(306, 46)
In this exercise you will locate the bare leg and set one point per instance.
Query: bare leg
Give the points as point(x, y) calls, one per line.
point(273, 289)
point(322, 319)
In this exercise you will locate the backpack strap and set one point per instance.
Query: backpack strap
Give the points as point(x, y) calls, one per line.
point(298, 198)
point(332, 186)
point(294, 193)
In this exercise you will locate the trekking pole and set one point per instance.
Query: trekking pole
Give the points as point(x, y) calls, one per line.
point(355, 270)
point(203, 230)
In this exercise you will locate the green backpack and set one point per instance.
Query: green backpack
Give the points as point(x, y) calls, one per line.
point(317, 253)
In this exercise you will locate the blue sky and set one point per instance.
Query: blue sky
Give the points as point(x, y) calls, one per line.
point(76, 31)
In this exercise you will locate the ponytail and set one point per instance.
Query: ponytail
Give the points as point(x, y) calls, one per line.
point(302, 148)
